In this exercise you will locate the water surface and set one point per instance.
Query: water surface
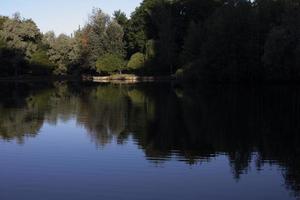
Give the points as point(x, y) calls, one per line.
point(148, 141)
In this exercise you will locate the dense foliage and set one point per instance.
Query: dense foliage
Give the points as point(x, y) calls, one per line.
point(212, 40)
point(110, 63)
point(136, 61)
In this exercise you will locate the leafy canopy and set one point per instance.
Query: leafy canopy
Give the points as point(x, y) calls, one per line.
point(110, 63)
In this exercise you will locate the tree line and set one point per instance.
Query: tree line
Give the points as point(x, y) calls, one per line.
point(210, 40)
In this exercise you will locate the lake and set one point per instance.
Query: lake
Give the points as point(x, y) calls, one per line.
point(85, 141)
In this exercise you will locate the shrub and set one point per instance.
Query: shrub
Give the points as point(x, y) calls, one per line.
point(110, 63)
point(136, 61)
point(179, 73)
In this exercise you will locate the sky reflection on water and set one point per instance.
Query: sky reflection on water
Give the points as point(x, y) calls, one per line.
point(73, 141)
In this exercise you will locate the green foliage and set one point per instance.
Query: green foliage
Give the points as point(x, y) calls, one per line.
point(24, 44)
point(40, 57)
point(110, 63)
point(164, 21)
point(192, 43)
point(59, 53)
point(179, 73)
point(115, 35)
point(99, 37)
point(150, 50)
point(281, 50)
point(209, 40)
point(22, 35)
point(19, 40)
point(95, 32)
point(40, 63)
point(139, 27)
point(120, 18)
point(229, 49)
point(2, 43)
point(2, 21)
point(136, 61)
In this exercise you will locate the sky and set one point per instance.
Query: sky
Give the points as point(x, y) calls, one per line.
point(63, 16)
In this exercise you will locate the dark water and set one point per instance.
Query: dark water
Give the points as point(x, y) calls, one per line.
point(74, 141)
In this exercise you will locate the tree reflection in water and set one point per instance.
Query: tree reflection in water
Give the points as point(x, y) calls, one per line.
point(191, 125)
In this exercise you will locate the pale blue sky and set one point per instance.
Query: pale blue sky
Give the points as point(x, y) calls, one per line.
point(63, 16)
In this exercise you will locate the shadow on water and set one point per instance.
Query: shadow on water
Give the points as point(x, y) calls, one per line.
point(192, 126)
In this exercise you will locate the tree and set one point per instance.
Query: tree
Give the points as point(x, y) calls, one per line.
point(115, 35)
point(121, 18)
point(19, 40)
point(166, 47)
point(140, 27)
point(40, 63)
point(96, 36)
point(21, 34)
point(192, 43)
point(3, 19)
point(228, 51)
point(281, 50)
point(110, 63)
point(48, 38)
point(100, 36)
point(59, 53)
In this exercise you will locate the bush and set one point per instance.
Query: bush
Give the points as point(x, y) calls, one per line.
point(179, 73)
point(136, 61)
point(110, 63)
point(40, 63)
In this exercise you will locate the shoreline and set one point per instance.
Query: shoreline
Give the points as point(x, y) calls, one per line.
point(38, 78)
point(132, 79)
point(127, 78)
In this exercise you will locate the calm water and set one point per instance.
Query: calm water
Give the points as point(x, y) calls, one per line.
point(74, 141)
